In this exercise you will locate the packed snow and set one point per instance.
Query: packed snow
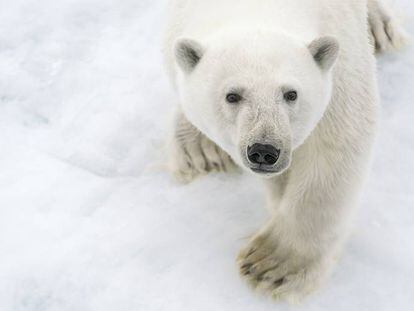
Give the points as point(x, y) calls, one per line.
point(90, 220)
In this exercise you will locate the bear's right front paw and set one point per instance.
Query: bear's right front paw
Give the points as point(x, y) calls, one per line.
point(198, 155)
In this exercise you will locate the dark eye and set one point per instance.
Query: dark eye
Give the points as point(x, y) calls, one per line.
point(291, 96)
point(233, 98)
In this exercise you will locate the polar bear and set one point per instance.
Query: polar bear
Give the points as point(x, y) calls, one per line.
point(285, 90)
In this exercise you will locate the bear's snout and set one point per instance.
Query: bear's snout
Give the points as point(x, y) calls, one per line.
point(260, 154)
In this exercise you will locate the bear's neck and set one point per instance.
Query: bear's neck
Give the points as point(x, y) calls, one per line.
point(299, 19)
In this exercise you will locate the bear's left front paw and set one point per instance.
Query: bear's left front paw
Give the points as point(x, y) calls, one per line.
point(279, 272)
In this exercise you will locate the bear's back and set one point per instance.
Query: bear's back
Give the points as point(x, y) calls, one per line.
point(305, 20)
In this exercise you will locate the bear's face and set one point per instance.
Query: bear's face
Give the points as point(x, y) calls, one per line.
point(258, 97)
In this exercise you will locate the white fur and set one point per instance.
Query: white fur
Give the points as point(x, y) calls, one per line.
point(267, 47)
point(387, 33)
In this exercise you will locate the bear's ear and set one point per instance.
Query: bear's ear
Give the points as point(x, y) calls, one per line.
point(188, 54)
point(325, 51)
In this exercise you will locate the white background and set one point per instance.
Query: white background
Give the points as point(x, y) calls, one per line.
point(89, 220)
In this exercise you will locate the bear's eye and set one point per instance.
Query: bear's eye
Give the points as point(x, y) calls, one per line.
point(291, 96)
point(233, 98)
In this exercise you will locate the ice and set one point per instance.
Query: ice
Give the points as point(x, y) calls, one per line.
point(89, 220)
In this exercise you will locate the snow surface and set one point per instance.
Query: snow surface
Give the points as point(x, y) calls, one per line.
point(88, 221)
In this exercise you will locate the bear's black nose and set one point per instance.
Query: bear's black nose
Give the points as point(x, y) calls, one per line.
point(263, 154)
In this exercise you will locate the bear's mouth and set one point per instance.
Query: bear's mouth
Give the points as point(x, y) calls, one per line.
point(263, 170)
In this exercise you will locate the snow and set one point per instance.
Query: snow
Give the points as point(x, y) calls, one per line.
point(89, 220)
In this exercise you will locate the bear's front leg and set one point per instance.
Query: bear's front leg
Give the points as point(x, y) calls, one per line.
point(192, 154)
point(294, 251)
point(275, 264)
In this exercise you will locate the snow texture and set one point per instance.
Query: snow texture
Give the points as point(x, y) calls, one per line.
point(89, 220)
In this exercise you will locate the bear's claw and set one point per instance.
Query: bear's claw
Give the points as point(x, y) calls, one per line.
point(193, 154)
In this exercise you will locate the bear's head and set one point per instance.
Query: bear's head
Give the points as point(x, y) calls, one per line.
point(258, 96)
